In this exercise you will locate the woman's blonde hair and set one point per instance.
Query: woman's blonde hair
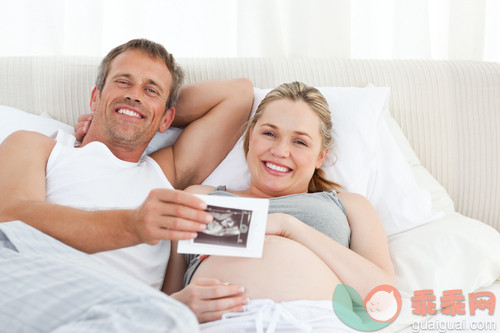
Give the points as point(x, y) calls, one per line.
point(298, 91)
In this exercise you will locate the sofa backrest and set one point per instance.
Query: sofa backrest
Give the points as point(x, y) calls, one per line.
point(449, 110)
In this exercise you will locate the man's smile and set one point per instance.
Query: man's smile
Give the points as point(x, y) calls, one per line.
point(130, 113)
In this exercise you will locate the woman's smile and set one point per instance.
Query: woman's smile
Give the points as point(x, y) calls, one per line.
point(276, 168)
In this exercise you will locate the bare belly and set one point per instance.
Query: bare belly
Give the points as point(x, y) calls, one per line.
point(287, 271)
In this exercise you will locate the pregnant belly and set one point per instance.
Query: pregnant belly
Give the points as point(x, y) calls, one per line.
point(287, 271)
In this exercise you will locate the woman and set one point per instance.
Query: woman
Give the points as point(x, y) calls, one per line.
point(316, 238)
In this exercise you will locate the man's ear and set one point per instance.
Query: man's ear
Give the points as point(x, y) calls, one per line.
point(94, 98)
point(321, 158)
point(167, 120)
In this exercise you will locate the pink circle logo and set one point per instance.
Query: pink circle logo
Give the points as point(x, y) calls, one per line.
point(383, 303)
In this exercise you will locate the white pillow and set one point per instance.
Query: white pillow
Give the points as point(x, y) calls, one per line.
point(454, 252)
point(356, 113)
point(165, 139)
point(441, 201)
point(368, 160)
point(399, 200)
point(14, 120)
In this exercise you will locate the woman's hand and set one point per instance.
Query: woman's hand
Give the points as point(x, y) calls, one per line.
point(209, 299)
point(280, 224)
point(83, 125)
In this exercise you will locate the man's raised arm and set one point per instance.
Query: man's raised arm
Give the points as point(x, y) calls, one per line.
point(216, 112)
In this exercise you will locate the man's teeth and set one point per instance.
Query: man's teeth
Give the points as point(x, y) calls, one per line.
point(129, 113)
point(276, 167)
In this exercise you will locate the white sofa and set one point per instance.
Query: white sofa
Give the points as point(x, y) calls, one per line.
point(449, 111)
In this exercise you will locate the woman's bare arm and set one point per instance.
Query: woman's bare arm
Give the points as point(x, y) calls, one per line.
point(363, 266)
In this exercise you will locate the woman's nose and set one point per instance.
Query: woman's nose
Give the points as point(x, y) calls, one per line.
point(280, 149)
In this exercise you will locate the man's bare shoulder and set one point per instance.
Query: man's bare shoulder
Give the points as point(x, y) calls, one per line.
point(28, 140)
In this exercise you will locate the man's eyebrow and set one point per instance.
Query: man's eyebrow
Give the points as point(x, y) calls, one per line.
point(295, 132)
point(128, 76)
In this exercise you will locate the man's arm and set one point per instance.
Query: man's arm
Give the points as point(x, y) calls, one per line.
point(165, 214)
point(220, 108)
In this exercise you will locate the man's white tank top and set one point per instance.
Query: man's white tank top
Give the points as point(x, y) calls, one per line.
point(92, 178)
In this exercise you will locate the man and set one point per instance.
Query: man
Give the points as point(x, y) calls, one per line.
point(67, 192)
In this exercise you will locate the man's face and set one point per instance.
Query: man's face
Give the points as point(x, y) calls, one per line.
point(130, 109)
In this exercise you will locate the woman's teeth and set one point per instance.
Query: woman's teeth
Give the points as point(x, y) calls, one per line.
point(276, 167)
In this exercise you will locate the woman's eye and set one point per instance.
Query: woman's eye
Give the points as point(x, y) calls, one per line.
point(271, 134)
point(300, 142)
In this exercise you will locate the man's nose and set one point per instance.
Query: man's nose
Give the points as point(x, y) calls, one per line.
point(134, 94)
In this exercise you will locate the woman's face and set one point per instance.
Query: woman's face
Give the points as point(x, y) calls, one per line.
point(284, 149)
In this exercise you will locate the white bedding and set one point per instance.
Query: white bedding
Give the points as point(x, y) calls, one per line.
point(47, 286)
point(443, 251)
point(453, 252)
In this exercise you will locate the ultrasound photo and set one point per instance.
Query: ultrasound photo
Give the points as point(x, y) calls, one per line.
point(229, 227)
point(238, 228)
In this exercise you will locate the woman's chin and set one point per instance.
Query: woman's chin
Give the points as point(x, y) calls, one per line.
point(274, 191)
